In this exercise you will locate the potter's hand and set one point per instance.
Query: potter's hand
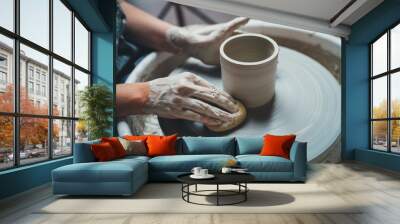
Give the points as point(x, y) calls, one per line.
point(203, 42)
point(189, 97)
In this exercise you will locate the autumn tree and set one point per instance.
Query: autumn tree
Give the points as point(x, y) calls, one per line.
point(33, 131)
point(6, 122)
point(380, 127)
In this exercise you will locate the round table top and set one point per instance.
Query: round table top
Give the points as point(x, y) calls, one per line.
point(220, 178)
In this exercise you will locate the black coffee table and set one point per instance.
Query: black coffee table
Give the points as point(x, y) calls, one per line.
point(238, 179)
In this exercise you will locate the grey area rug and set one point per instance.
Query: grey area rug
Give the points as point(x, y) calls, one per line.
point(166, 198)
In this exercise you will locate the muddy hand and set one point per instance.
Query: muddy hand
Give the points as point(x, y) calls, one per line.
point(203, 42)
point(187, 96)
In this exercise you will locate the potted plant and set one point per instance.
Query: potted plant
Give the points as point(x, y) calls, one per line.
point(96, 110)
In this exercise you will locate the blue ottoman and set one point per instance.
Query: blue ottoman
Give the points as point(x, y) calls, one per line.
point(118, 177)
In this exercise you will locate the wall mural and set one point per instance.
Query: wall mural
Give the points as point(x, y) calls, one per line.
point(261, 78)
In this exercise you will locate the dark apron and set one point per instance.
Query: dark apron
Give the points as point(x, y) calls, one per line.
point(128, 54)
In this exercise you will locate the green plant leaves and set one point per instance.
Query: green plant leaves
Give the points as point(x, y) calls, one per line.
point(96, 102)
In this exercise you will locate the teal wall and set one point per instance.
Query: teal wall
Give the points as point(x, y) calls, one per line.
point(356, 85)
point(91, 11)
point(24, 178)
point(102, 62)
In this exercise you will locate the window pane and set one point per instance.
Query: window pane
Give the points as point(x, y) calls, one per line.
point(33, 139)
point(81, 131)
point(81, 81)
point(7, 14)
point(395, 47)
point(62, 138)
point(6, 74)
point(379, 135)
point(34, 21)
point(379, 97)
point(379, 56)
point(395, 94)
point(34, 96)
point(6, 142)
point(395, 136)
point(62, 89)
point(81, 45)
point(62, 29)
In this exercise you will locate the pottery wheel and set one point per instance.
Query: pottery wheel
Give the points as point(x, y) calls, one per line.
point(306, 103)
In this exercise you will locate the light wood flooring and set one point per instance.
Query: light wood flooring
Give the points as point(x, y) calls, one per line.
point(378, 188)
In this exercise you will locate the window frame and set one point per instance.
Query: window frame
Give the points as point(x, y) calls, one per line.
point(388, 74)
point(16, 114)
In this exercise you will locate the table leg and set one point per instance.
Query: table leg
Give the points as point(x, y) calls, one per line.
point(182, 190)
point(188, 190)
point(245, 193)
point(217, 194)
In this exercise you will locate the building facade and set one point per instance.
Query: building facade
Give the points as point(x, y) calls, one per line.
point(34, 80)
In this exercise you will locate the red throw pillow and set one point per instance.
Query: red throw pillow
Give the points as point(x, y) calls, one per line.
point(277, 145)
point(103, 152)
point(116, 145)
point(161, 145)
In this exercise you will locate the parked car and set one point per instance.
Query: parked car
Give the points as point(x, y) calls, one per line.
point(25, 154)
point(10, 156)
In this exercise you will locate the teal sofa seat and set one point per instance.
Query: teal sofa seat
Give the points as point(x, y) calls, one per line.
point(272, 168)
point(257, 163)
point(125, 176)
point(206, 145)
point(119, 177)
point(167, 168)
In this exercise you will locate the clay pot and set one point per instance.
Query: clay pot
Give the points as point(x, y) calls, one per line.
point(248, 66)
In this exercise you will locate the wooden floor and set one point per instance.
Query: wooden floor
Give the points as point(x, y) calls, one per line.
point(379, 189)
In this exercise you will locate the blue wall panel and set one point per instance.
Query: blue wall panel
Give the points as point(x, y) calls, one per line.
point(91, 14)
point(357, 99)
point(24, 178)
point(356, 72)
point(103, 61)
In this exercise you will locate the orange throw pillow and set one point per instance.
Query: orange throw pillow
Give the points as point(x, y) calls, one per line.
point(277, 145)
point(161, 145)
point(135, 137)
point(103, 152)
point(116, 145)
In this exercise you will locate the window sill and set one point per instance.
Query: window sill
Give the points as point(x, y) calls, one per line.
point(26, 167)
point(381, 159)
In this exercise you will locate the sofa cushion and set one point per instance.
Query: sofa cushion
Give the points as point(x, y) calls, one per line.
point(103, 152)
point(112, 171)
point(185, 163)
point(133, 158)
point(207, 145)
point(161, 145)
point(257, 163)
point(116, 145)
point(83, 152)
point(135, 137)
point(277, 145)
point(249, 145)
point(134, 147)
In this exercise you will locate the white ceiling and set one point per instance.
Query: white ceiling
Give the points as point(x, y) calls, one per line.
point(326, 16)
point(320, 9)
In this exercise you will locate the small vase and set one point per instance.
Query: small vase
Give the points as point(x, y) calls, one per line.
point(248, 67)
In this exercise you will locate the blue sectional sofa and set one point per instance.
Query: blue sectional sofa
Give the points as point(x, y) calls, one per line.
point(125, 176)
